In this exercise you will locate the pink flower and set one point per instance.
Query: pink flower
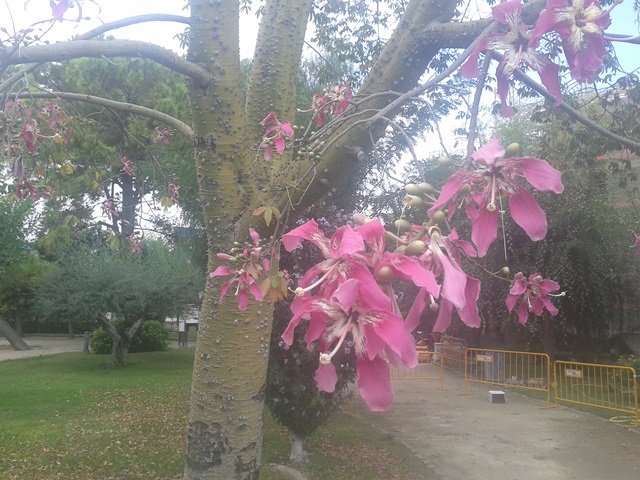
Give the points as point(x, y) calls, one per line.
point(161, 136)
point(519, 46)
point(358, 308)
point(127, 166)
point(535, 292)
point(340, 97)
point(253, 269)
point(29, 137)
point(276, 134)
point(494, 177)
point(244, 282)
point(581, 25)
point(319, 106)
point(459, 290)
point(60, 7)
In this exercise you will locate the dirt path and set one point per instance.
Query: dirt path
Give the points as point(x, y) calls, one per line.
point(468, 437)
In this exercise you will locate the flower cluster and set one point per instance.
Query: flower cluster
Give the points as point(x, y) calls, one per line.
point(161, 136)
point(275, 136)
point(535, 292)
point(580, 24)
point(337, 100)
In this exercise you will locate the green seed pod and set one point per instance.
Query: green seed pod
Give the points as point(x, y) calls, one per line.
point(439, 217)
point(505, 271)
point(412, 201)
point(413, 189)
point(444, 160)
point(512, 150)
point(384, 275)
point(427, 188)
point(402, 225)
point(415, 248)
point(464, 190)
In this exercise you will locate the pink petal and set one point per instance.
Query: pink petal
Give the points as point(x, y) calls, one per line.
point(504, 10)
point(373, 233)
point(223, 290)
point(326, 378)
point(549, 75)
point(268, 150)
point(347, 294)
point(489, 152)
point(413, 317)
point(243, 299)
point(286, 129)
point(317, 326)
point(280, 143)
point(374, 383)
point(547, 286)
point(408, 268)
point(254, 236)
point(269, 118)
point(540, 174)
point(444, 316)
point(308, 231)
point(550, 306)
point(255, 290)
point(449, 190)
point(511, 301)
point(374, 343)
point(526, 212)
point(523, 313)
point(392, 331)
point(221, 271)
point(454, 281)
point(346, 241)
point(469, 313)
point(484, 229)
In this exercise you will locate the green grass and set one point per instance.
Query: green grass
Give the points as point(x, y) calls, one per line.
point(66, 417)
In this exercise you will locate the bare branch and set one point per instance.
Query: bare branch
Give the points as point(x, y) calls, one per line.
point(61, 51)
point(180, 126)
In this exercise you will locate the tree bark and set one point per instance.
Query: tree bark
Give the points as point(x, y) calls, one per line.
point(12, 336)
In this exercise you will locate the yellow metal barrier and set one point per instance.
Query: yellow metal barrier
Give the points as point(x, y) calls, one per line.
point(452, 350)
point(602, 386)
point(530, 371)
point(429, 368)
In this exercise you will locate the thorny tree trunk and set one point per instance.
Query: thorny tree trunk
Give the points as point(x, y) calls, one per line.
point(227, 397)
point(12, 336)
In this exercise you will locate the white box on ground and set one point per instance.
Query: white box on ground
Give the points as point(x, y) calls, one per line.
point(496, 396)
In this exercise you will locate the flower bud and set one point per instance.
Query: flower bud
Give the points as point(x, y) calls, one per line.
point(412, 201)
point(413, 189)
point(384, 274)
point(505, 271)
point(464, 190)
point(491, 207)
point(438, 217)
point(426, 188)
point(415, 248)
point(444, 160)
point(512, 150)
point(402, 225)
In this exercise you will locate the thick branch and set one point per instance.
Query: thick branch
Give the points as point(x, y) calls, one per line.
point(27, 69)
point(180, 126)
point(112, 48)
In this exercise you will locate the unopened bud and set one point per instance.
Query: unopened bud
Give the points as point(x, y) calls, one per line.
point(415, 248)
point(512, 150)
point(426, 188)
point(505, 271)
point(438, 217)
point(444, 160)
point(412, 201)
point(413, 189)
point(402, 225)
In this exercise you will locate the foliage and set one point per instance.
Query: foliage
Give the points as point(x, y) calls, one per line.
point(152, 337)
point(629, 361)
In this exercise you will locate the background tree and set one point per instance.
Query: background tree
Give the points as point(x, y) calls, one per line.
point(120, 291)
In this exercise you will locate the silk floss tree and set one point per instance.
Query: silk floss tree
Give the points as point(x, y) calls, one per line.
point(256, 170)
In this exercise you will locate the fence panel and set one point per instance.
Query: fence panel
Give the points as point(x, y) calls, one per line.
point(452, 350)
point(603, 386)
point(429, 368)
point(525, 370)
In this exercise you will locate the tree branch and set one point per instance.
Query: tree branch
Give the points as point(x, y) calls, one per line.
point(61, 51)
point(569, 110)
point(180, 126)
point(27, 69)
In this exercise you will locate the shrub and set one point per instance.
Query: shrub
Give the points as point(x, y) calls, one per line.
point(629, 361)
point(152, 337)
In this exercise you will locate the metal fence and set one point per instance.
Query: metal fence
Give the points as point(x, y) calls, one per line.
point(530, 371)
point(452, 350)
point(429, 368)
point(603, 386)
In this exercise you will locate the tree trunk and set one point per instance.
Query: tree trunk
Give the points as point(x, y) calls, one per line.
point(12, 336)
point(20, 326)
point(298, 455)
point(119, 352)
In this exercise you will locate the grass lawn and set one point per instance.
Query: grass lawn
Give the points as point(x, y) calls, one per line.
point(66, 417)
